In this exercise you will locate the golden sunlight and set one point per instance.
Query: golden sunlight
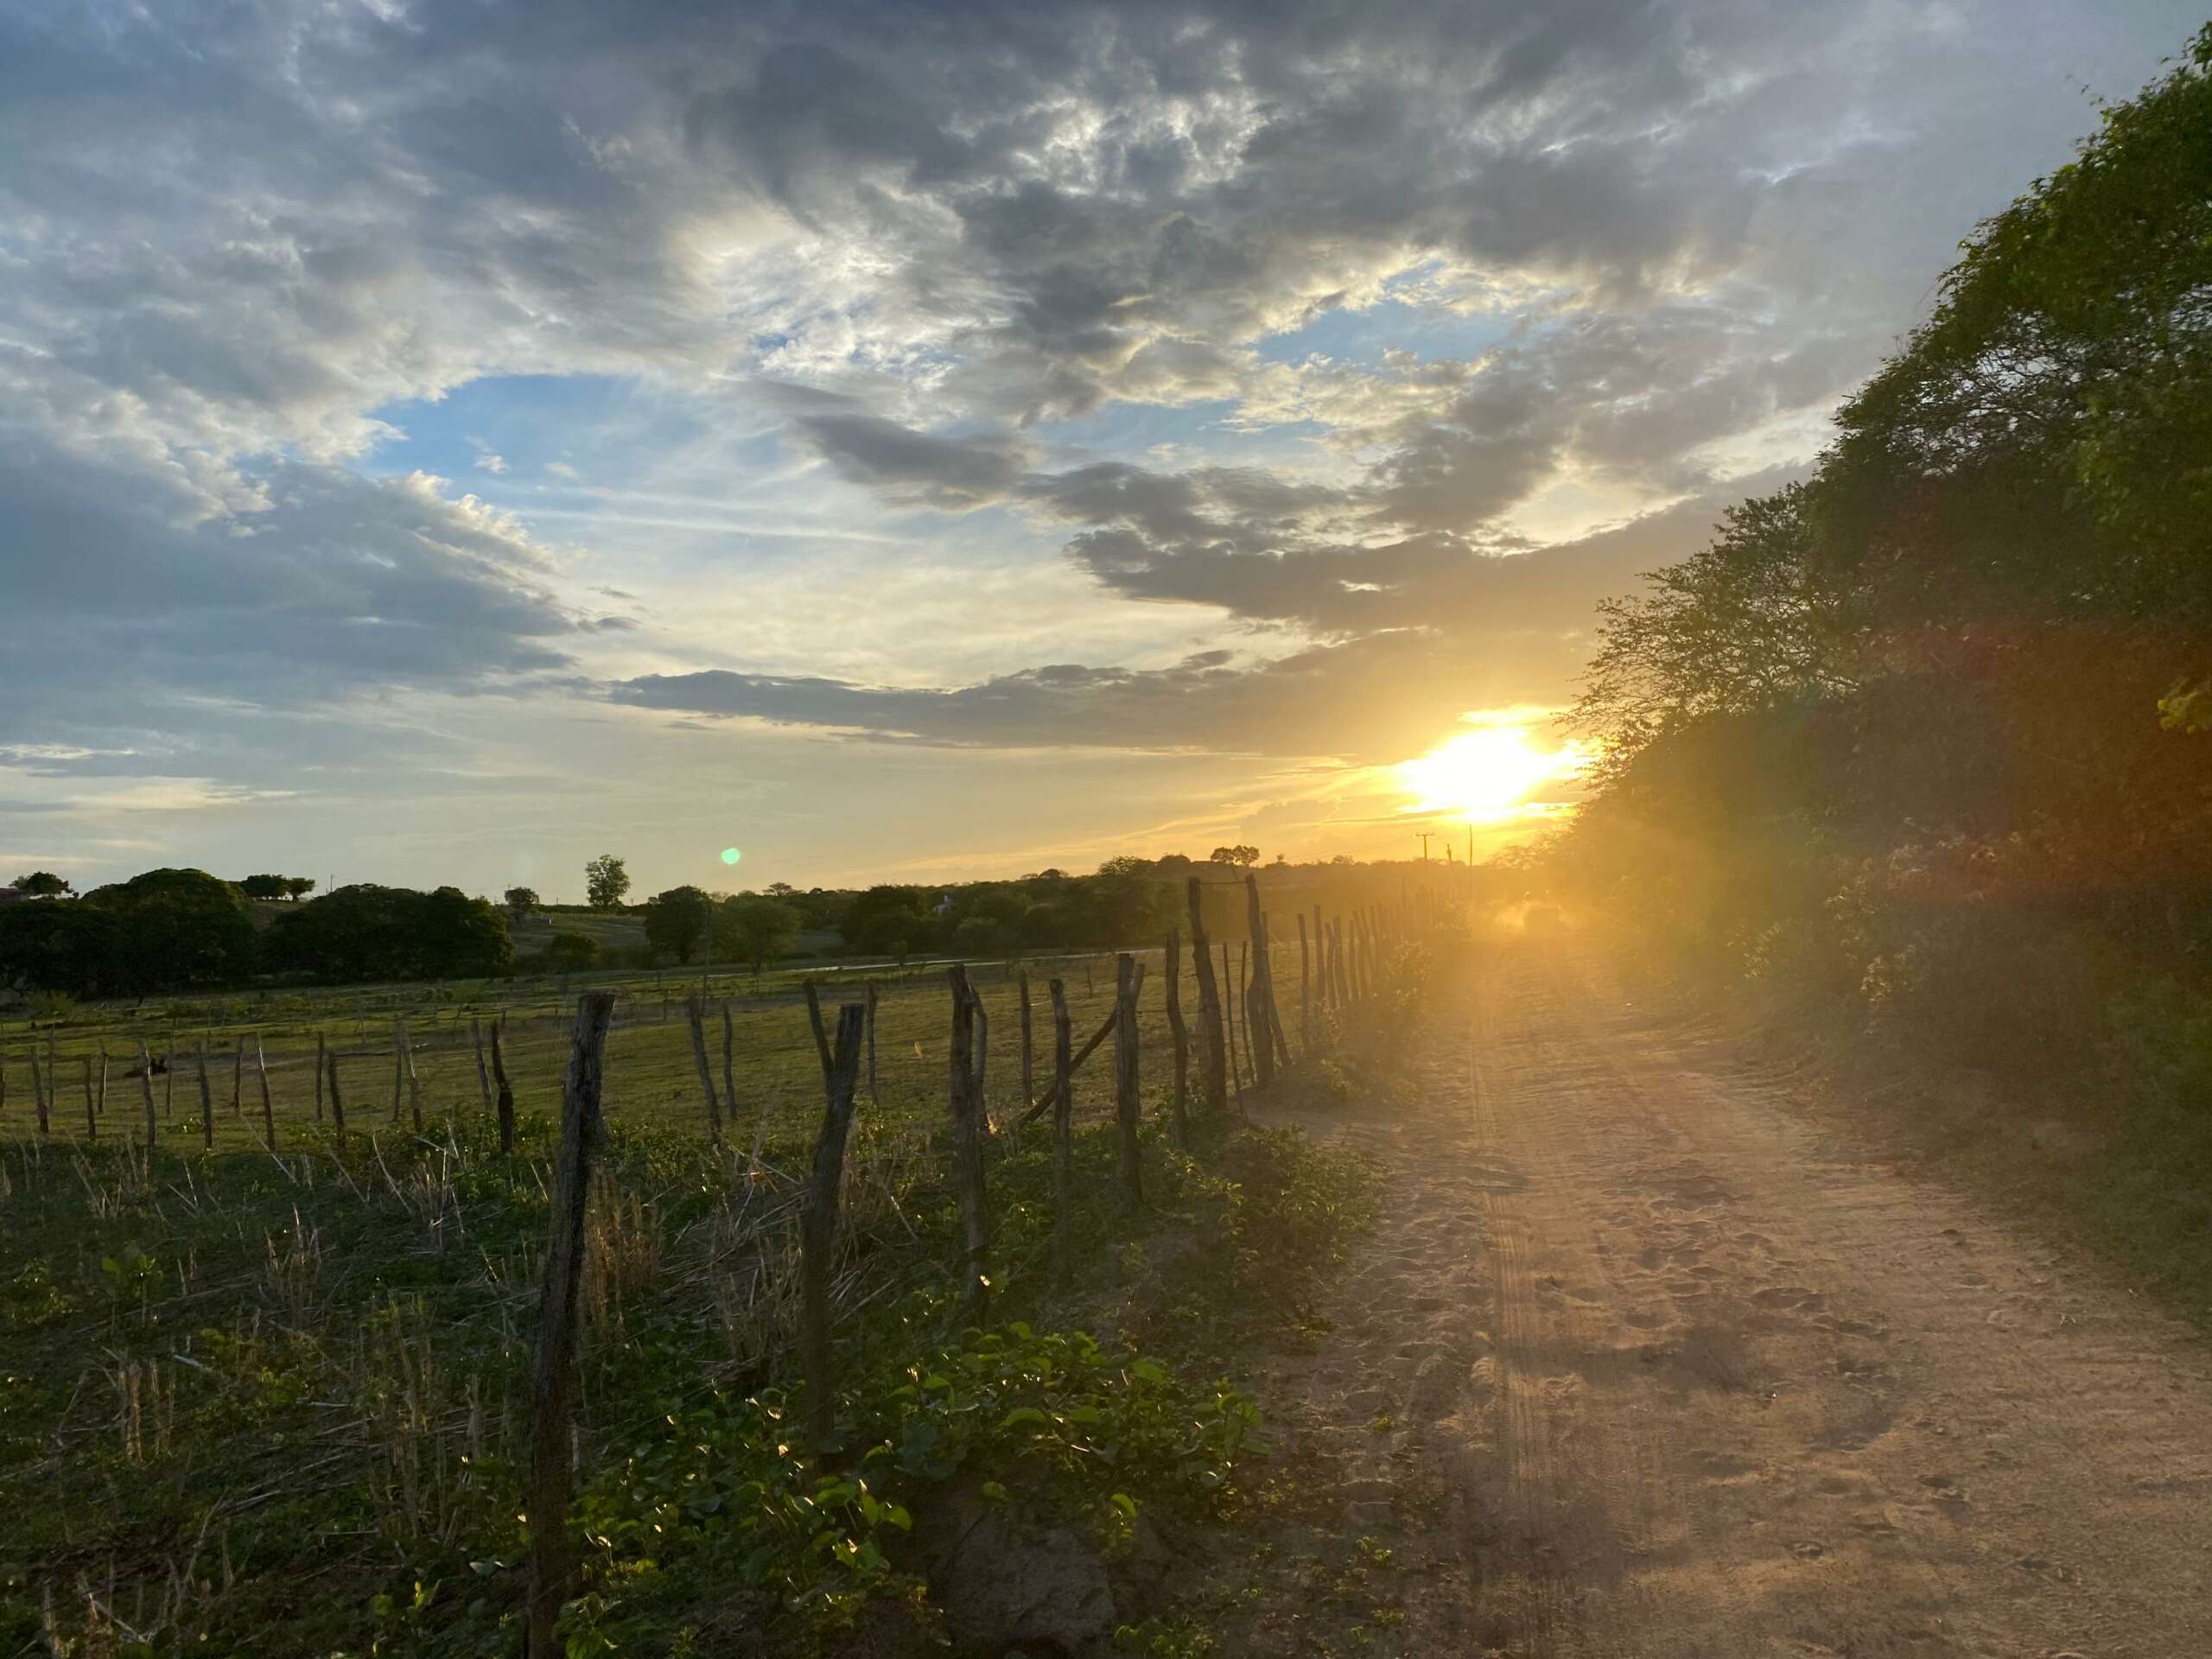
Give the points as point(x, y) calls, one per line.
point(1486, 774)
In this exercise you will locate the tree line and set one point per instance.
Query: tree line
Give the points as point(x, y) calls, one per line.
point(1924, 736)
point(184, 930)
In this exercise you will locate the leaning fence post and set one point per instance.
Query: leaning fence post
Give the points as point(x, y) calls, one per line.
point(92, 1112)
point(1179, 1122)
point(337, 1101)
point(553, 1389)
point(840, 1069)
point(1126, 1102)
point(1063, 1121)
point(38, 1090)
point(237, 1079)
point(1214, 1049)
point(146, 1089)
point(967, 1104)
point(267, 1108)
point(319, 1052)
point(695, 1015)
point(498, 1080)
point(206, 1103)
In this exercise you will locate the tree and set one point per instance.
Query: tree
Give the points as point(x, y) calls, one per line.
point(179, 930)
point(1241, 856)
point(755, 929)
point(520, 901)
point(72, 948)
point(780, 889)
point(885, 919)
point(605, 882)
point(366, 932)
point(263, 886)
point(677, 920)
point(40, 884)
point(297, 888)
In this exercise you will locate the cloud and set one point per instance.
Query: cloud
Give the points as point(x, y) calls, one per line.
point(953, 474)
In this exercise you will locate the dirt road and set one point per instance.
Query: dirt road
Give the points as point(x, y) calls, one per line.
point(1645, 1361)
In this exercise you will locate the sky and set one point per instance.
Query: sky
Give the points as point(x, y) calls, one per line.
point(441, 443)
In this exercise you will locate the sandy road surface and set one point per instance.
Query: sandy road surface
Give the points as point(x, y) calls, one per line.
point(1669, 1370)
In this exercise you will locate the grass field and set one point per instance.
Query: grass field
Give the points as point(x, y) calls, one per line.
point(276, 1405)
point(653, 1078)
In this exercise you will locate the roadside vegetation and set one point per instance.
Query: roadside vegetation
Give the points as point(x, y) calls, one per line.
point(1919, 751)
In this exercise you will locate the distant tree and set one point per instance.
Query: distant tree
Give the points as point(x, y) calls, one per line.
point(40, 884)
point(367, 932)
point(178, 929)
point(756, 930)
point(272, 888)
point(783, 889)
point(75, 949)
point(1241, 856)
point(1344, 858)
point(520, 901)
point(606, 880)
point(677, 920)
point(887, 916)
point(1126, 864)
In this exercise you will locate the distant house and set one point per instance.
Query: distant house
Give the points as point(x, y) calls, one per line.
point(943, 905)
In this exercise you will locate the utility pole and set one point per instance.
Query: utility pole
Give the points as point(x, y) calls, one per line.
point(1424, 835)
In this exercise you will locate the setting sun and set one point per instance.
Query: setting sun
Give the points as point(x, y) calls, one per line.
point(1486, 774)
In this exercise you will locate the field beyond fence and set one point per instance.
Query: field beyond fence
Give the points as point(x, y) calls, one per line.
point(282, 1392)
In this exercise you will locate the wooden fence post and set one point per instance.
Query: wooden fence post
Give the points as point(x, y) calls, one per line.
point(237, 1078)
point(319, 1052)
point(498, 1082)
point(337, 1101)
point(695, 1015)
point(414, 1082)
point(967, 1104)
point(983, 1056)
point(483, 1071)
point(206, 1103)
point(268, 1107)
point(840, 1070)
point(729, 1062)
point(1228, 982)
point(554, 1385)
point(1063, 1123)
point(1028, 1045)
point(398, 1068)
point(1178, 1123)
point(38, 1091)
point(1260, 1010)
point(92, 1111)
point(146, 1089)
point(1126, 1104)
point(1305, 992)
point(1214, 1047)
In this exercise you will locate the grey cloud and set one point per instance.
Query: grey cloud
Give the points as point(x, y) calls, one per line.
point(948, 472)
point(1364, 699)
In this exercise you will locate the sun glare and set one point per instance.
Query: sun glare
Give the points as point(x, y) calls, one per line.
point(1486, 774)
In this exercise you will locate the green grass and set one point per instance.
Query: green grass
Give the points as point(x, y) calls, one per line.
point(274, 1405)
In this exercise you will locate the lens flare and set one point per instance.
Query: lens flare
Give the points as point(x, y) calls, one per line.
point(730, 855)
point(1486, 774)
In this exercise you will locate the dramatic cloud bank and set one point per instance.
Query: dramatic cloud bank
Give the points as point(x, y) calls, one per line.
point(1307, 371)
